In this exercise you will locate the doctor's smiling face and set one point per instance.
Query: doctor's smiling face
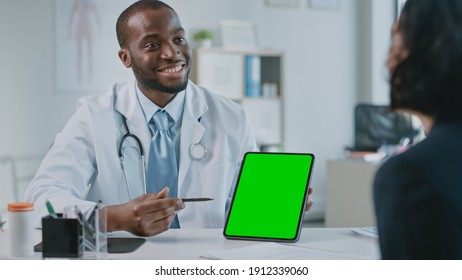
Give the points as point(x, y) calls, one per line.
point(156, 49)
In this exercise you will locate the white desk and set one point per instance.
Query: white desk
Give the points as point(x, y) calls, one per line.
point(188, 244)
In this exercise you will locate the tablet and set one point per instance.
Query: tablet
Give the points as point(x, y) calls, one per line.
point(269, 198)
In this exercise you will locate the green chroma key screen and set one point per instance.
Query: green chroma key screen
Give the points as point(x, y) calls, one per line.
point(270, 197)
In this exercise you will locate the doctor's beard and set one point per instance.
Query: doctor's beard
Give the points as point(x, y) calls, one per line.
point(155, 84)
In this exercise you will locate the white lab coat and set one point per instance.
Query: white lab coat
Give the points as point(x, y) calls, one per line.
point(83, 165)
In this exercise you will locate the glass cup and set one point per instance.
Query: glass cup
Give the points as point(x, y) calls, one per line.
point(95, 234)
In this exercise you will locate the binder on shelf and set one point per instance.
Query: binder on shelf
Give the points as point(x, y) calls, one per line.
point(253, 76)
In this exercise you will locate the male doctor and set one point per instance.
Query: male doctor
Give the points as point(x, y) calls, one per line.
point(83, 166)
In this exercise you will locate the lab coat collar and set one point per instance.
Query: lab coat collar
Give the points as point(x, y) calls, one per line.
point(125, 101)
point(127, 104)
point(195, 103)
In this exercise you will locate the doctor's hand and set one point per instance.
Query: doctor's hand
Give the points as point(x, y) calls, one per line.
point(309, 202)
point(146, 215)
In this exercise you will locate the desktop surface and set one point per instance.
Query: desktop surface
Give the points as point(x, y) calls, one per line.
point(193, 244)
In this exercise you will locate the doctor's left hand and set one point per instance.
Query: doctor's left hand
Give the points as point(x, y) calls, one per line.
point(146, 215)
point(309, 202)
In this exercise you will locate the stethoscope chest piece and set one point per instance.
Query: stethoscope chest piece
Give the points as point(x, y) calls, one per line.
point(197, 151)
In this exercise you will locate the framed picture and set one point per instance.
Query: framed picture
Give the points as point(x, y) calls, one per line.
point(324, 4)
point(221, 72)
point(282, 3)
point(238, 34)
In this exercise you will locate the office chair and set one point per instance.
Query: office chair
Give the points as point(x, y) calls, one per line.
point(377, 125)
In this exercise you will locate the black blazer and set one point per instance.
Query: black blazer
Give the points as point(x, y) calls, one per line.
point(418, 198)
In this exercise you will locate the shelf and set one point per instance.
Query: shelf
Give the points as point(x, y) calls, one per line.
point(252, 78)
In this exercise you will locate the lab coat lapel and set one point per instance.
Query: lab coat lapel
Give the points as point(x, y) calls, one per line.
point(127, 104)
point(191, 129)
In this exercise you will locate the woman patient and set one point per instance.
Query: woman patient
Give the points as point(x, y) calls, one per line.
point(418, 194)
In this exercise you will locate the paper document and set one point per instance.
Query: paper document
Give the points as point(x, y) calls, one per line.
point(366, 156)
point(276, 251)
point(370, 232)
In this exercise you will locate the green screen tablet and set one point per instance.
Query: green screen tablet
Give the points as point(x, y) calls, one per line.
point(269, 197)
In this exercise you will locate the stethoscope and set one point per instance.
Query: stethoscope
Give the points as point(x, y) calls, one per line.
point(131, 142)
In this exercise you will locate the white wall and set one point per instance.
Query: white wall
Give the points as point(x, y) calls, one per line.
point(383, 15)
point(323, 72)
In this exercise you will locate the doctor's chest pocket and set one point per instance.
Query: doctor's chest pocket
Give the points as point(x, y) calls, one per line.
point(216, 183)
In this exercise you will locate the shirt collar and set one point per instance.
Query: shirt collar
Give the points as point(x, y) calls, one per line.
point(174, 108)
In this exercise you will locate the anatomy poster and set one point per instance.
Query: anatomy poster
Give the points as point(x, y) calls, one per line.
point(86, 45)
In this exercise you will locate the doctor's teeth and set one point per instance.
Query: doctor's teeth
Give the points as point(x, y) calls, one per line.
point(173, 70)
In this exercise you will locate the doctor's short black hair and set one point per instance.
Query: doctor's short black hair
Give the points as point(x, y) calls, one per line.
point(429, 79)
point(138, 6)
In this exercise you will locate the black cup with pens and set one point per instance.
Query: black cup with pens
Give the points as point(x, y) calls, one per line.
point(61, 237)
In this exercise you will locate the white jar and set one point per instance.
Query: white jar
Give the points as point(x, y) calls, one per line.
point(20, 215)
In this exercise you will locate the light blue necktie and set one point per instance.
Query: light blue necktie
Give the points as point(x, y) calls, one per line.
point(162, 166)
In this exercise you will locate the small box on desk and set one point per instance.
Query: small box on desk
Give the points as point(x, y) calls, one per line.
point(61, 237)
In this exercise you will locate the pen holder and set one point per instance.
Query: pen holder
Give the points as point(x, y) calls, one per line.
point(62, 237)
point(95, 234)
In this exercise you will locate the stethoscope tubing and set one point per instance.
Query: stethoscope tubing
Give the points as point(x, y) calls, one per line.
point(197, 151)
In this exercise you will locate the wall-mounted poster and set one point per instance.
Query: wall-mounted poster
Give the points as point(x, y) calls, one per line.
point(86, 45)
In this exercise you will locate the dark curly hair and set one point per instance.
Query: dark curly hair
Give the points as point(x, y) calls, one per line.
point(122, 21)
point(429, 79)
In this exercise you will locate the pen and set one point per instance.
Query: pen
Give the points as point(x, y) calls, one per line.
point(50, 209)
point(90, 234)
point(196, 199)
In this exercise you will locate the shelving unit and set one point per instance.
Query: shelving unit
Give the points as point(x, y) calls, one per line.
point(251, 78)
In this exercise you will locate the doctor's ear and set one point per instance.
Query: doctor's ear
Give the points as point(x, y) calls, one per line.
point(124, 56)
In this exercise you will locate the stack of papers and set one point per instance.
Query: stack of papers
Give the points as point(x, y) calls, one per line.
point(276, 251)
point(370, 232)
point(366, 156)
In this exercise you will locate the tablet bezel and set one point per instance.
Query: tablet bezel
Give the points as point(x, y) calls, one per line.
point(302, 208)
